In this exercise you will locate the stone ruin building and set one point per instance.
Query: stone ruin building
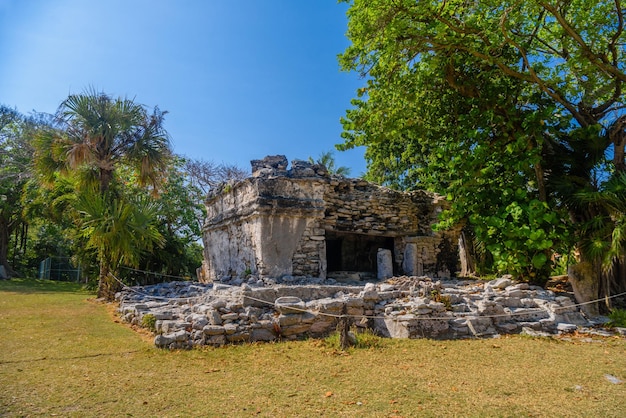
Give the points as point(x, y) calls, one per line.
point(278, 243)
point(304, 222)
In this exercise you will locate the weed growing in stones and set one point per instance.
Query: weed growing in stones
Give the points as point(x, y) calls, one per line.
point(617, 318)
point(149, 321)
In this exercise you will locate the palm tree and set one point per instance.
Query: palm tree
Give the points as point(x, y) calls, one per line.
point(120, 231)
point(97, 136)
point(327, 159)
point(102, 133)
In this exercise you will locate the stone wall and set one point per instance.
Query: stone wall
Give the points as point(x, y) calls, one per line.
point(303, 222)
point(190, 314)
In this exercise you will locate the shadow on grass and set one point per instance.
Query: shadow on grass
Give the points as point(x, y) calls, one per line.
point(41, 286)
point(69, 358)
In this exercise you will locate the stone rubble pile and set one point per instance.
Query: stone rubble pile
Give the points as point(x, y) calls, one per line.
point(187, 314)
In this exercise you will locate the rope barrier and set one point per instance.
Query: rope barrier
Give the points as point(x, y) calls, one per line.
point(293, 308)
point(155, 274)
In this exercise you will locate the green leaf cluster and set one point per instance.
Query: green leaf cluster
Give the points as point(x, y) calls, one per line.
point(508, 108)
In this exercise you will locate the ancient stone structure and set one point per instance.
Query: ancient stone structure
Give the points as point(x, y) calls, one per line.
point(303, 222)
point(186, 314)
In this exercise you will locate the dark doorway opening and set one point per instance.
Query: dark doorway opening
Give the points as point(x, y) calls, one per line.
point(354, 252)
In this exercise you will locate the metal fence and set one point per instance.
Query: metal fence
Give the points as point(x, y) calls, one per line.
point(59, 268)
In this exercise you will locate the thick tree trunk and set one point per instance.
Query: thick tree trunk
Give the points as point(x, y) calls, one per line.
point(585, 280)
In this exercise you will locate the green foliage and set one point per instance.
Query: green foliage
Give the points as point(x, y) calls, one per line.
point(503, 107)
point(617, 318)
point(149, 321)
point(102, 143)
point(180, 216)
point(327, 159)
point(119, 230)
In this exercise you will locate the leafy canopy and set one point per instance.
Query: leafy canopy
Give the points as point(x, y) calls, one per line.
point(507, 107)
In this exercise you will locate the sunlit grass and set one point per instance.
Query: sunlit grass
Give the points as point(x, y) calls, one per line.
point(61, 354)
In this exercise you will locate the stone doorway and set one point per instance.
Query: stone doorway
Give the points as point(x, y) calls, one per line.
point(353, 256)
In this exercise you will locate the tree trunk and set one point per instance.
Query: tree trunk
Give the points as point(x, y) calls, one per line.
point(107, 285)
point(5, 233)
point(585, 280)
point(467, 255)
point(617, 135)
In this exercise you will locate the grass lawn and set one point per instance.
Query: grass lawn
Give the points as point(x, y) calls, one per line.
point(62, 354)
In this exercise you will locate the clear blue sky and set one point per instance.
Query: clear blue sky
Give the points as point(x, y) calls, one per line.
point(240, 79)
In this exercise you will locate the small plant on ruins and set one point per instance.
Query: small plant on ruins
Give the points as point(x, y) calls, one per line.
point(247, 272)
point(149, 321)
point(617, 318)
point(436, 295)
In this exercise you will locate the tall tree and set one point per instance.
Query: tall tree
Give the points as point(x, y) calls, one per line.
point(180, 217)
point(14, 160)
point(16, 133)
point(508, 107)
point(99, 136)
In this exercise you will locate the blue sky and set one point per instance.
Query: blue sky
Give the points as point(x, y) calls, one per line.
point(240, 79)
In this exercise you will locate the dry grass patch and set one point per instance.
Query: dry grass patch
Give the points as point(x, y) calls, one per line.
point(63, 355)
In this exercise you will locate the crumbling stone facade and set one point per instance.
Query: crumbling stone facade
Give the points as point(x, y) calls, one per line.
point(304, 222)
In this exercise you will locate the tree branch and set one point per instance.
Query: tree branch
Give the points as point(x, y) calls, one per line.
point(598, 60)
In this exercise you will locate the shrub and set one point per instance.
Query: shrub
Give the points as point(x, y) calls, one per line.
point(617, 318)
point(149, 321)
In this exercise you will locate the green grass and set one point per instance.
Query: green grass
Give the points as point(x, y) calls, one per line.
point(62, 354)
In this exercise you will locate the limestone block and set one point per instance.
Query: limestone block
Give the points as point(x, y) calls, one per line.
point(528, 314)
point(354, 302)
point(576, 318)
point(164, 340)
point(500, 283)
point(216, 340)
point(230, 316)
point(429, 328)
point(213, 330)
point(262, 334)
point(354, 311)
point(164, 315)
point(200, 322)
point(409, 263)
point(261, 297)
point(181, 335)
point(328, 305)
point(285, 305)
point(565, 327)
point(322, 327)
point(238, 337)
point(384, 264)
point(171, 326)
point(308, 317)
point(289, 319)
point(515, 293)
point(534, 325)
point(295, 329)
point(508, 327)
point(214, 317)
point(230, 328)
point(392, 328)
